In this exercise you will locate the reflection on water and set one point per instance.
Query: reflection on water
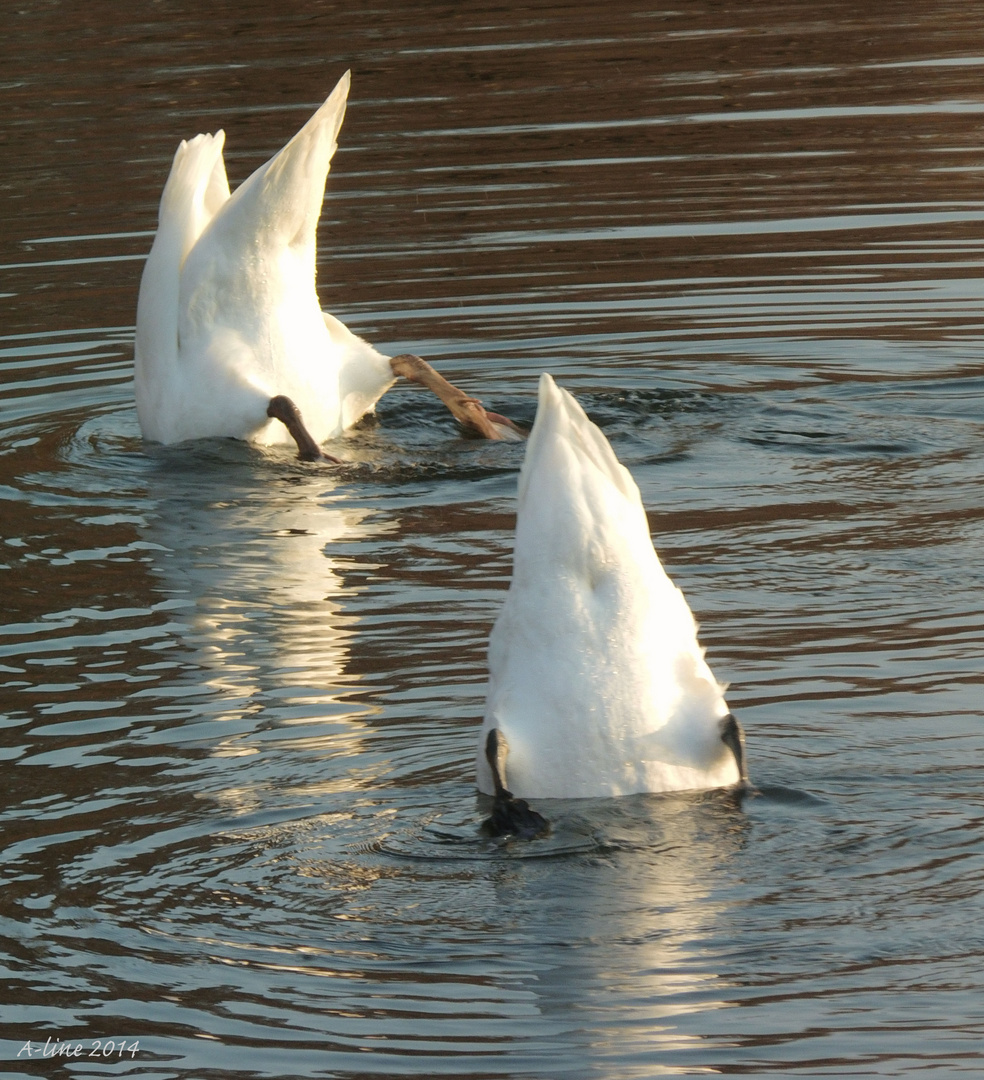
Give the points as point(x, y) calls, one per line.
point(239, 693)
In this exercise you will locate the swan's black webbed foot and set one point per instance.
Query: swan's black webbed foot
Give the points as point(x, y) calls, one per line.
point(510, 816)
point(474, 419)
point(283, 409)
point(733, 737)
point(514, 817)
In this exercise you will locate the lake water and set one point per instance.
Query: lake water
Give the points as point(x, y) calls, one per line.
point(240, 693)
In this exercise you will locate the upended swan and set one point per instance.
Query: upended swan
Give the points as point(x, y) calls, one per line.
point(597, 684)
point(231, 339)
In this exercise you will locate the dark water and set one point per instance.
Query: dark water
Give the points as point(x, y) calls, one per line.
point(240, 694)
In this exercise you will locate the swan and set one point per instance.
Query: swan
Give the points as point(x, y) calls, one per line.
point(231, 339)
point(597, 683)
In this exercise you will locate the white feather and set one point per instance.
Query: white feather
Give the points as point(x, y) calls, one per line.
point(228, 314)
point(596, 680)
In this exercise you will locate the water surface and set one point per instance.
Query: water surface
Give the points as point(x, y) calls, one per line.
point(240, 694)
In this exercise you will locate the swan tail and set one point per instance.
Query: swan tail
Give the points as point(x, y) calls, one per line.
point(594, 660)
point(364, 374)
point(561, 422)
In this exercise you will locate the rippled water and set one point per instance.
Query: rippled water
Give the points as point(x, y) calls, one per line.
point(240, 693)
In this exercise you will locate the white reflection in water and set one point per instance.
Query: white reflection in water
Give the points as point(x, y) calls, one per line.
point(627, 940)
point(258, 556)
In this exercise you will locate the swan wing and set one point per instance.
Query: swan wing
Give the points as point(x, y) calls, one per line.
point(229, 314)
point(195, 191)
point(250, 321)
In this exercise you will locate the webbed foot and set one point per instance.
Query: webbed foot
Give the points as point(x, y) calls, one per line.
point(468, 411)
point(510, 816)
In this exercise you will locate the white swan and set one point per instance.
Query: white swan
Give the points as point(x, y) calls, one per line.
point(231, 339)
point(597, 683)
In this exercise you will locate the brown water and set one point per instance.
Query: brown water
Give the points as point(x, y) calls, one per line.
point(240, 694)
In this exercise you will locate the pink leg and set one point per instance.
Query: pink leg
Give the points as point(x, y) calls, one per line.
point(468, 411)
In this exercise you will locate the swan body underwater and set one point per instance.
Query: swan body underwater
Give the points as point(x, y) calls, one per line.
point(231, 339)
point(597, 683)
